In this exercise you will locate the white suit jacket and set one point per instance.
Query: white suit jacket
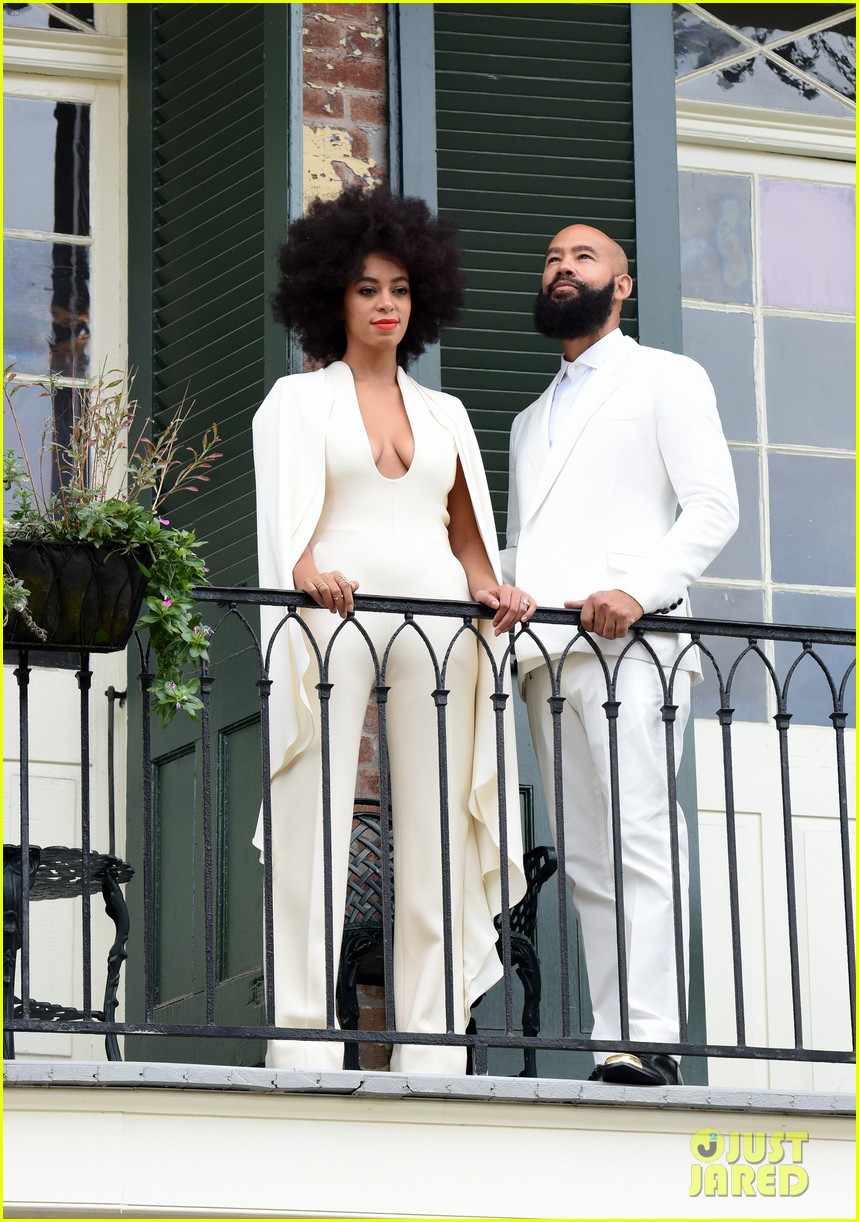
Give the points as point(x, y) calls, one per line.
point(598, 510)
point(289, 463)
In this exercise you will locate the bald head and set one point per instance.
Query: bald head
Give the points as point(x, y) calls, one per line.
point(585, 283)
point(576, 237)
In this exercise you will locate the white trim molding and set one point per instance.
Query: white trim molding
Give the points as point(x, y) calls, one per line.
point(64, 53)
point(730, 126)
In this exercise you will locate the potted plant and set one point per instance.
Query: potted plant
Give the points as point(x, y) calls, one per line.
point(81, 559)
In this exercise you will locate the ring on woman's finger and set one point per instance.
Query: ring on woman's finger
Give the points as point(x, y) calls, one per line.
point(525, 603)
point(338, 598)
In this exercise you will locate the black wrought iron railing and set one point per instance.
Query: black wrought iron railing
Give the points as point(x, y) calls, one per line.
point(802, 677)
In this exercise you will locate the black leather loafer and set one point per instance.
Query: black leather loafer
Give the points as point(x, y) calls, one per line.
point(648, 1069)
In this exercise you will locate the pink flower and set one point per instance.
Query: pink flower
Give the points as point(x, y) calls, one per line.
point(168, 602)
point(171, 686)
point(205, 570)
point(164, 521)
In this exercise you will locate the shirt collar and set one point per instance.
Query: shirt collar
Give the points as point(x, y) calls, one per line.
point(595, 356)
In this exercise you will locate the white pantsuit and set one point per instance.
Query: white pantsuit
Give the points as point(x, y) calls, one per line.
point(646, 857)
point(390, 535)
point(597, 510)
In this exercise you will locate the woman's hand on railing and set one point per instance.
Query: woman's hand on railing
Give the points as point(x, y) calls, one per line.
point(511, 605)
point(331, 589)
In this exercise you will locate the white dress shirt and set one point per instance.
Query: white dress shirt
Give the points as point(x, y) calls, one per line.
point(574, 376)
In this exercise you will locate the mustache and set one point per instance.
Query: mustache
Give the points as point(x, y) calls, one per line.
point(564, 278)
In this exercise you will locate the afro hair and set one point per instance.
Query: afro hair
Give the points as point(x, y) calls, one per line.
point(325, 250)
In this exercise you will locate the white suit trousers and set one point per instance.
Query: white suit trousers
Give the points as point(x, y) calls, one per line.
point(297, 838)
point(646, 849)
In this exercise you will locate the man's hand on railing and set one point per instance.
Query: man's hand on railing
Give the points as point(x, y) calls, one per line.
point(608, 613)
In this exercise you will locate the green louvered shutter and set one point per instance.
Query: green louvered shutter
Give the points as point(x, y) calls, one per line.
point(534, 132)
point(208, 123)
point(212, 252)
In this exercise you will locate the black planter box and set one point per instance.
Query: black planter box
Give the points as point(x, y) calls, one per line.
point(85, 597)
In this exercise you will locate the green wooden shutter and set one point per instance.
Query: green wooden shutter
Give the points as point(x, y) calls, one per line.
point(534, 132)
point(213, 251)
point(209, 131)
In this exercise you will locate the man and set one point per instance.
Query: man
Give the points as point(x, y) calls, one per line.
point(598, 467)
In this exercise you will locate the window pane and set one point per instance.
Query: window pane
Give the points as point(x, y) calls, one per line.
point(46, 307)
point(725, 345)
point(37, 16)
point(46, 152)
point(810, 401)
point(30, 426)
point(809, 695)
point(698, 43)
point(829, 56)
point(716, 237)
point(764, 22)
point(741, 556)
point(811, 519)
point(808, 245)
point(759, 81)
point(748, 694)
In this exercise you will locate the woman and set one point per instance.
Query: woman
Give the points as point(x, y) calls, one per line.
point(367, 480)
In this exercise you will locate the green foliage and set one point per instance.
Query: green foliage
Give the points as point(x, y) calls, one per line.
point(108, 495)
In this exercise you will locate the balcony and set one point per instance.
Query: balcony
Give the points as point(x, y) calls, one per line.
point(768, 1027)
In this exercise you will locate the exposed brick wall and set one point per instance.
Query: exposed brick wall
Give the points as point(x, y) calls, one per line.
point(345, 96)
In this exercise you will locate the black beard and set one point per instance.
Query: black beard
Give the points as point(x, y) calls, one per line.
point(584, 314)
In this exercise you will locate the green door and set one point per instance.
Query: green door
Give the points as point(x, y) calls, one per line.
point(209, 142)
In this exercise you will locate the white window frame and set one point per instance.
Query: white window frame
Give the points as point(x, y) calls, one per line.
point(715, 138)
point(758, 163)
point(88, 68)
point(108, 205)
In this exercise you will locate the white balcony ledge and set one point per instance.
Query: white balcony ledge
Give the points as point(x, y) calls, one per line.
point(152, 1140)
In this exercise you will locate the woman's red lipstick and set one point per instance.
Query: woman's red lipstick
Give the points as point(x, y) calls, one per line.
point(386, 324)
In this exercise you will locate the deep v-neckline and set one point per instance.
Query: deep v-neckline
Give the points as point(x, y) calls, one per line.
point(395, 479)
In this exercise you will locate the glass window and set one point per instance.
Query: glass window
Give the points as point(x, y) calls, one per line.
point(809, 694)
point(46, 154)
point(765, 22)
point(724, 343)
point(741, 556)
point(748, 695)
point(38, 418)
point(697, 43)
point(716, 237)
point(760, 81)
point(810, 382)
point(812, 515)
point(828, 55)
point(47, 17)
point(46, 307)
point(46, 312)
point(808, 245)
point(787, 75)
